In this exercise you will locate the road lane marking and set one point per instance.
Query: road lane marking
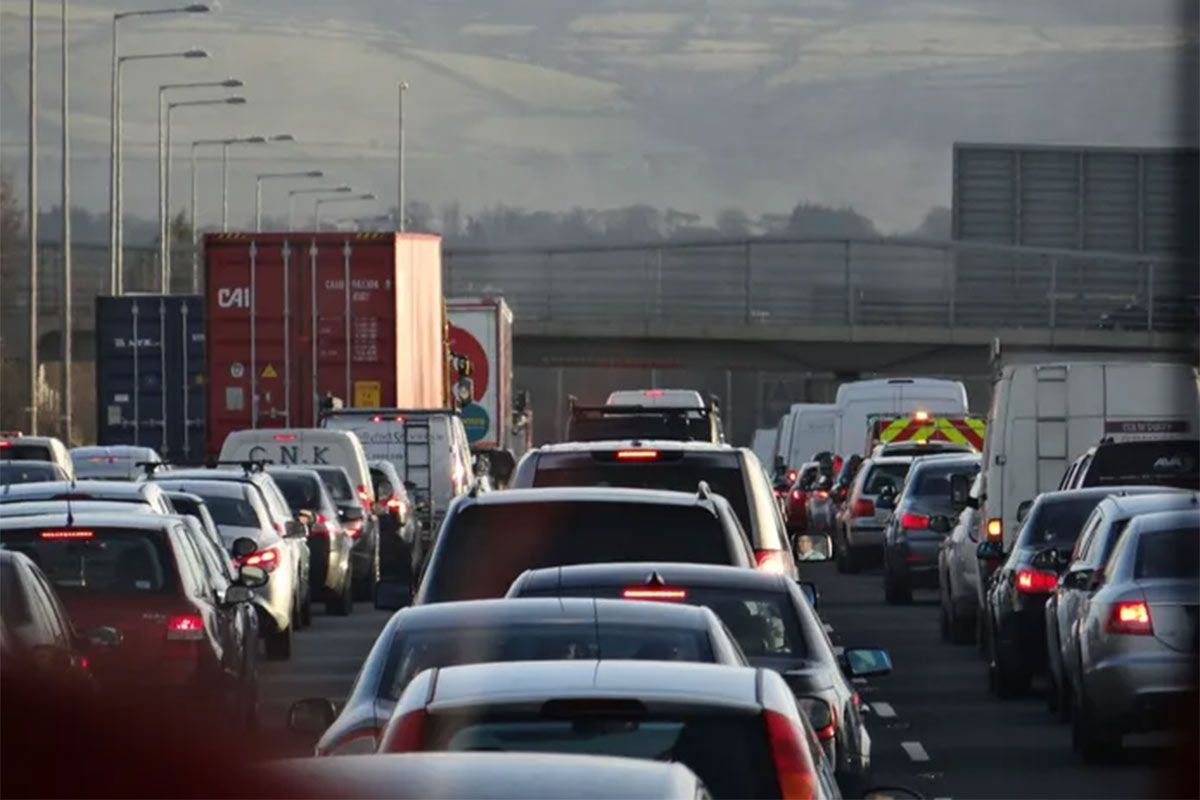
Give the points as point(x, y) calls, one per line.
point(884, 710)
point(916, 752)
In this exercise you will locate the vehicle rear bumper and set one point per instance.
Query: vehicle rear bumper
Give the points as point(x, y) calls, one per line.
point(1141, 692)
point(362, 556)
point(864, 537)
point(916, 563)
point(1023, 636)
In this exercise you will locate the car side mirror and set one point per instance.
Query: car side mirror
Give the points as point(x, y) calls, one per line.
point(252, 577)
point(990, 551)
point(866, 662)
point(350, 513)
point(809, 589)
point(311, 716)
point(104, 636)
point(238, 593)
point(296, 529)
point(305, 516)
point(1023, 510)
point(243, 546)
point(813, 547)
point(819, 713)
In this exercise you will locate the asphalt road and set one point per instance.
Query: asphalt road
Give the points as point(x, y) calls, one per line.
point(935, 728)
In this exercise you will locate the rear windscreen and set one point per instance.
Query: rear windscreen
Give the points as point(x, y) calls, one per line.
point(106, 467)
point(1154, 463)
point(25, 452)
point(100, 560)
point(1057, 523)
point(338, 484)
point(885, 475)
point(683, 475)
point(300, 491)
point(485, 547)
point(693, 427)
point(28, 473)
point(931, 481)
point(1169, 554)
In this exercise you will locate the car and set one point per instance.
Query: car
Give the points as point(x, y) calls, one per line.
point(309, 446)
point(488, 540)
point(249, 535)
point(655, 398)
point(31, 472)
point(144, 576)
point(1016, 596)
point(732, 472)
point(771, 619)
point(16, 446)
point(293, 531)
point(402, 549)
point(960, 590)
point(485, 776)
point(738, 728)
point(360, 524)
point(918, 523)
point(445, 634)
point(36, 508)
point(330, 575)
point(1173, 462)
point(193, 505)
point(1085, 574)
point(858, 533)
point(795, 506)
point(109, 491)
point(113, 462)
point(919, 448)
point(646, 414)
point(1138, 634)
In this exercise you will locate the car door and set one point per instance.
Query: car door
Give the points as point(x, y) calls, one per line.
point(238, 628)
point(1072, 588)
point(55, 645)
point(208, 588)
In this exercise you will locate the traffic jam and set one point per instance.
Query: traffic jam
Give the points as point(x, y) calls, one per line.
point(642, 609)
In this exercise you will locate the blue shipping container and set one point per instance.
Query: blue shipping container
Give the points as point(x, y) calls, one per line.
point(150, 373)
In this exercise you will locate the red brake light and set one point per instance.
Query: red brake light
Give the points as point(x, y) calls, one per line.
point(797, 494)
point(793, 763)
point(791, 476)
point(268, 559)
point(406, 734)
point(863, 508)
point(364, 497)
point(915, 522)
point(654, 392)
point(185, 627)
point(1130, 616)
point(769, 561)
point(647, 593)
point(5, 444)
point(353, 528)
point(67, 534)
point(381, 418)
point(285, 437)
point(394, 503)
point(1036, 581)
point(637, 455)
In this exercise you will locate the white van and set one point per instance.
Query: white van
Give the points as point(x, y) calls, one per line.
point(1044, 416)
point(813, 428)
point(783, 440)
point(303, 446)
point(763, 444)
point(857, 401)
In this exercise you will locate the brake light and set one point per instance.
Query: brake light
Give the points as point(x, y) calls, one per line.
point(995, 529)
point(1130, 616)
point(643, 593)
point(268, 559)
point(789, 753)
point(405, 734)
point(791, 476)
point(654, 393)
point(915, 522)
point(66, 534)
point(637, 455)
point(381, 418)
point(185, 628)
point(1036, 581)
point(285, 437)
point(394, 503)
point(821, 493)
point(5, 444)
point(797, 495)
point(769, 561)
point(863, 507)
point(827, 733)
point(364, 496)
point(320, 526)
point(353, 528)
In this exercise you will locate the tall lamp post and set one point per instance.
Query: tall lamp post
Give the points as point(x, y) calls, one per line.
point(351, 199)
point(279, 137)
point(113, 133)
point(201, 143)
point(343, 189)
point(400, 160)
point(258, 179)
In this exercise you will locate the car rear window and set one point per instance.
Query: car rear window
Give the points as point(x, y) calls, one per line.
point(1154, 463)
point(301, 491)
point(338, 484)
point(25, 452)
point(1169, 554)
point(728, 751)
point(415, 651)
point(931, 481)
point(722, 473)
point(883, 474)
point(485, 547)
point(685, 427)
point(28, 473)
point(1057, 523)
point(106, 468)
point(98, 560)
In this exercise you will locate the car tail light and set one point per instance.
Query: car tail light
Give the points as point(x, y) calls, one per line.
point(769, 561)
point(791, 476)
point(797, 495)
point(320, 526)
point(995, 529)
point(364, 497)
point(1130, 616)
point(1036, 581)
point(185, 628)
point(863, 508)
point(662, 593)
point(353, 528)
point(914, 522)
point(821, 493)
point(406, 734)
point(285, 437)
point(268, 559)
point(5, 444)
point(654, 393)
point(66, 534)
point(793, 763)
point(381, 418)
point(637, 455)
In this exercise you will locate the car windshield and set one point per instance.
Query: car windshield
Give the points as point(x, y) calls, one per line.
point(885, 475)
point(485, 547)
point(301, 491)
point(18, 451)
point(29, 473)
point(337, 483)
point(1169, 554)
point(1155, 463)
point(1057, 522)
point(97, 560)
point(728, 751)
point(415, 651)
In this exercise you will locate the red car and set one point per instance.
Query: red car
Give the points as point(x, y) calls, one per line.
point(795, 502)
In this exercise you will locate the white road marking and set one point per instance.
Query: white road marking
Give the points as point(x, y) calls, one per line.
point(884, 710)
point(916, 752)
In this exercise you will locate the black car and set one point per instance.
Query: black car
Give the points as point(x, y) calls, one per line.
point(770, 618)
point(1173, 463)
point(486, 541)
point(401, 550)
point(329, 575)
point(361, 527)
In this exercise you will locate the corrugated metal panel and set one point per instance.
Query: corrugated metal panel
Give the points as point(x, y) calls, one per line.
point(1169, 198)
point(1049, 208)
point(985, 195)
point(1111, 202)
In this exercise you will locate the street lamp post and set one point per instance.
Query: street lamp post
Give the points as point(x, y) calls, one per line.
point(67, 322)
point(200, 143)
point(400, 159)
point(281, 137)
point(113, 134)
point(343, 189)
point(165, 264)
point(33, 220)
point(351, 199)
point(119, 158)
point(315, 173)
point(164, 211)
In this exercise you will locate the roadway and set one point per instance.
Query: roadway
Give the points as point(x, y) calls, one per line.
point(935, 728)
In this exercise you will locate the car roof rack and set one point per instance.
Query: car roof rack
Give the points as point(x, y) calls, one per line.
point(150, 467)
point(249, 466)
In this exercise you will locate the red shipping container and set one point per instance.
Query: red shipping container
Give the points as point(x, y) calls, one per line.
point(284, 310)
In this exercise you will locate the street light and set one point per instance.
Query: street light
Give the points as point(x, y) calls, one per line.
point(212, 101)
point(113, 133)
point(342, 189)
point(201, 143)
point(314, 173)
point(279, 137)
point(119, 160)
point(351, 199)
point(164, 210)
point(400, 157)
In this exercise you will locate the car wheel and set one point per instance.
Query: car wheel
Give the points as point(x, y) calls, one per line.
point(847, 561)
point(343, 603)
point(1094, 742)
point(895, 591)
point(1007, 679)
point(278, 644)
point(962, 630)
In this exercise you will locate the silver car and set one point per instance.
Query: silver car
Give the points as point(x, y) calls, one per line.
point(1138, 633)
point(858, 535)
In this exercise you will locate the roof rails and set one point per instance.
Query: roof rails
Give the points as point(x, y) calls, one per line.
point(703, 491)
point(250, 467)
point(150, 467)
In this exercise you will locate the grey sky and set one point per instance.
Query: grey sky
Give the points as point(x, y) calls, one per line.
point(556, 103)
